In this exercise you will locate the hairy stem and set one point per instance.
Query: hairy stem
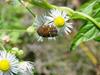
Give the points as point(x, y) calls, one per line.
point(89, 18)
point(70, 11)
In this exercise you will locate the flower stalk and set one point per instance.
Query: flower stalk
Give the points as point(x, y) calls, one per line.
point(70, 11)
point(89, 18)
point(42, 4)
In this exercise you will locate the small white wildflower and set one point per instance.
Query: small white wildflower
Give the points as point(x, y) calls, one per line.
point(59, 19)
point(25, 68)
point(8, 63)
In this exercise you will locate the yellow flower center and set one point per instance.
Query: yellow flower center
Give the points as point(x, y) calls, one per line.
point(59, 21)
point(4, 65)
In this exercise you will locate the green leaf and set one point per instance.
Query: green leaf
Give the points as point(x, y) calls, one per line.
point(15, 37)
point(86, 33)
point(97, 13)
point(88, 7)
point(97, 39)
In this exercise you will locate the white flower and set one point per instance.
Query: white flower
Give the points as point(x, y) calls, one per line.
point(43, 29)
point(8, 63)
point(25, 68)
point(59, 19)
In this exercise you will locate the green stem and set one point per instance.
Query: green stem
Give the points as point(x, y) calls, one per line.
point(13, 30)
point(88, 17)
point(27, 8)
point(43, 4)
point(70, 11)
point(2, 47)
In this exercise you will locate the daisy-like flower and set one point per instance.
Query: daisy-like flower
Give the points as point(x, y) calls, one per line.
point(60, 20)
point(43, 29)
point(25, 68)
point(8, 63)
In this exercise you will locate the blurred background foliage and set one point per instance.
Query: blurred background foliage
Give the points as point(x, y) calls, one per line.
point(50, 57)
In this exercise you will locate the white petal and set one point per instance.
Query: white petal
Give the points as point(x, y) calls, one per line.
point(67, 29)
point(52, 15)
point(6, 73)
point(66, 19)
point(69, 25)
point(40, 39)
point(1, 73)
point(11, 73)
point(64, 14)
point(49, 18)
point(10, 57)
point(66, 32)
point(14, 70)
point(14, 62)
point(3, 54)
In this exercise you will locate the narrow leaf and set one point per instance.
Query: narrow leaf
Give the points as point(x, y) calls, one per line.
point(86, 33)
